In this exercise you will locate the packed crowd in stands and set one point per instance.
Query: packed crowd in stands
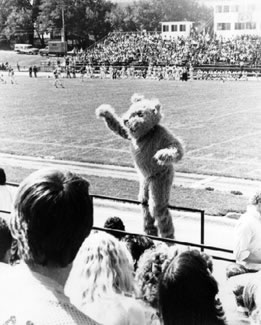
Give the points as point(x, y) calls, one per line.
point(149, 56)
point(56, 269)
point(152, 49)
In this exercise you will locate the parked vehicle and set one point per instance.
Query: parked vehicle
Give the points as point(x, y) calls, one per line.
point(21, 47)
point(31, 50)
point(44, 51)
point(25, 49)
point(57, 48)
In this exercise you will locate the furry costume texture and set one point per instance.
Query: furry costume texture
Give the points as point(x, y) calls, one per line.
point(154, 150)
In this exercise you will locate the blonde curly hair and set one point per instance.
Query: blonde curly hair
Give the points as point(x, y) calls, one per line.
point(102, 268)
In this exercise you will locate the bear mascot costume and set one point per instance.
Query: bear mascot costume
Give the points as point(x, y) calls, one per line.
point(154, 150)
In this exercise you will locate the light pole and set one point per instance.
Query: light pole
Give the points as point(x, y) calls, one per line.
point(63, 25)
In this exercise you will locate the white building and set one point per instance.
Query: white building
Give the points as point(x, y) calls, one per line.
point(237, 17)
point(174, 29)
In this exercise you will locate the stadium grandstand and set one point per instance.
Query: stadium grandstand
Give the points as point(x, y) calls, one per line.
point(150, 55)
point(153, 49)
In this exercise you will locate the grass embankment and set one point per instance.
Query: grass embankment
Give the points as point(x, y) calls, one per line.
point(214, 203)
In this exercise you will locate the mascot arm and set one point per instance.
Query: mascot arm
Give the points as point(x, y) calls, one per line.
point(173, 153)
point(112, 120)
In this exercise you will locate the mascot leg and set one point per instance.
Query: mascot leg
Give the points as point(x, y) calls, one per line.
point(148, 222)
point(159, 191)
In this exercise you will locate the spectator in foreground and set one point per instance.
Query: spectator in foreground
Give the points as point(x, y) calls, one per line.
point(248, 238)
point(251, 298)
point(137, 245)
point(115, 223)
point(150, 267)
point(53, 213)
point(101, 282)
point(187, 292)
point(5, 242)
point(246, 249)
point(5, 195)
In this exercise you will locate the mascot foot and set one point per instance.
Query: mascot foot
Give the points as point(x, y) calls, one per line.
point(151, 230)
point(165, 225)
point(149, 222)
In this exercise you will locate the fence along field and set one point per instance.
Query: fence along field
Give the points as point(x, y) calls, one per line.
point(219, 122)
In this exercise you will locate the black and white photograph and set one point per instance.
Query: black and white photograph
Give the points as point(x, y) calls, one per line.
point(130, 162)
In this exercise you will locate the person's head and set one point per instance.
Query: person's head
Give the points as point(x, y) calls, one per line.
point(137, 244)
point(187, 291)
point(255, 200)
point(5, 241)
point(53, 213)
point(150, 267)
point(250, 292)
point(2, 177)
point(102, 268)
point(252, 298)
point(115, 223)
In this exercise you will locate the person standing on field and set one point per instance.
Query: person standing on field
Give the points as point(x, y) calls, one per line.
point(11, 76)
point(35, 71)
point(57, 77)
point(30, 70)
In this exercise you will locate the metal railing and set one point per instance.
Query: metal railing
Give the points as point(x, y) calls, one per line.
point(201, 212)
point(200, 246)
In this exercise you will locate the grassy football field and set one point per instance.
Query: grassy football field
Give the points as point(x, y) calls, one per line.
point(218, 122)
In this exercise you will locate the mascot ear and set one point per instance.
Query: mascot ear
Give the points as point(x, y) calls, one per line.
point(157, 106)
point(136, 98)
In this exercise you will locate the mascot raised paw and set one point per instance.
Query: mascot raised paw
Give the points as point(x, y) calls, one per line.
point(154, 150)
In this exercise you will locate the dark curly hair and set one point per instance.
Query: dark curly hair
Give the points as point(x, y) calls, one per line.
point(149, 270)
point(53, 213)
point(115, 223)
point(137, 244)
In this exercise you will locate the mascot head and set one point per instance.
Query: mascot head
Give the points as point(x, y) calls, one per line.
point(142, 115)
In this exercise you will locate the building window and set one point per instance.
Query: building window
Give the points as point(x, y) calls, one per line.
point(234, 8)
point(250, 25)
point(223, 26)
point(165, 28)
point(239, 26)
point(174, 28)
point(226, 8)
point(182, 28)
point(218, 8)
point(251, 7)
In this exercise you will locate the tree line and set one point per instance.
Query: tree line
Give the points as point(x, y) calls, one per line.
point(86, 21)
